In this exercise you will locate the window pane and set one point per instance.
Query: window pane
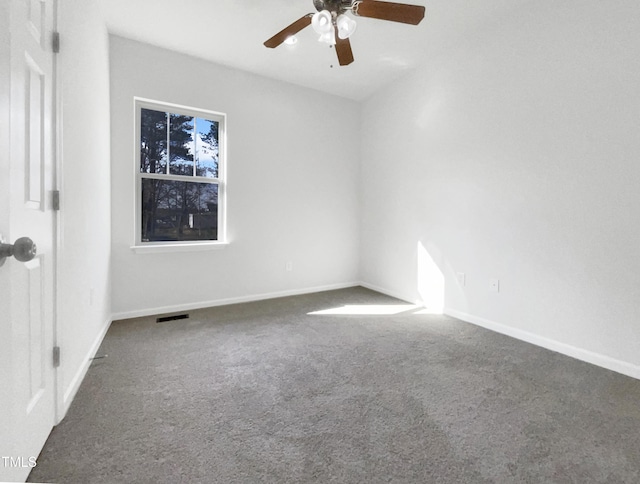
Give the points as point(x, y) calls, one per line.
point(153, 141)
point(181, 145)
point(206, 148)
point(179, 210)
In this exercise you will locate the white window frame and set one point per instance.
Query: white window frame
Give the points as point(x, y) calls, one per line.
point(188, 245)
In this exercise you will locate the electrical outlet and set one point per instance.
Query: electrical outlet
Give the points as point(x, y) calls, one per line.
point(494, 285)
point(461, 278)
point(289, 266)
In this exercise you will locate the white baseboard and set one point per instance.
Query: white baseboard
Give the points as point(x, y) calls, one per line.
point(223, 302)
point(597, 359)
point(77, 379)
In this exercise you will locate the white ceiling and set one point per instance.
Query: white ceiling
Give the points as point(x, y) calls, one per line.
point(232, 32)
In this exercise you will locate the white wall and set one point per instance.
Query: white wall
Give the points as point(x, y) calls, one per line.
point(292, 185)
point(514, 155)
point(84, 275)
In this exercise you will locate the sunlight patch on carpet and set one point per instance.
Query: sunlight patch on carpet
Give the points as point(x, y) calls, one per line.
point(367, 309)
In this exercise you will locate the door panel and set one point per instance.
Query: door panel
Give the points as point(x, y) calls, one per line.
point(27, 309)
point(37, 20)
point(37, 335)
point(36, 96)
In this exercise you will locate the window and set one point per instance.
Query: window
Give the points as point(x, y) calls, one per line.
point(179, 175)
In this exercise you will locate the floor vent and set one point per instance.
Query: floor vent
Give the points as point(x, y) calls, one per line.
point(175, 317)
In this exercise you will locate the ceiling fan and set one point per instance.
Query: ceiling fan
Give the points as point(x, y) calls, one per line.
point(335, 27)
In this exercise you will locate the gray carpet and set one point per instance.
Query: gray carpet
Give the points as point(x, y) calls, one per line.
point(265, 392)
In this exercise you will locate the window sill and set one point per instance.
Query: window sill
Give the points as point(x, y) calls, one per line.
point(184, 247)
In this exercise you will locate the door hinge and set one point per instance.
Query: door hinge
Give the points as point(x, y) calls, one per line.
point(55, 200)
point(56, 43)
point(56, 356)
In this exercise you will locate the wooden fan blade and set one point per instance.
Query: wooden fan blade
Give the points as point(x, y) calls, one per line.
point(292, 29)
point(343, 49)
point(396, 12)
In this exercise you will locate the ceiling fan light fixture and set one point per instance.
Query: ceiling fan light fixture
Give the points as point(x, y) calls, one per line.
point(322, 22)
point(291, 40)
point(346, 26)
point(328, 37)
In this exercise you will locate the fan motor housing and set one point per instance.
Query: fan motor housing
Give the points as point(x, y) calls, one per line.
point(333, 6)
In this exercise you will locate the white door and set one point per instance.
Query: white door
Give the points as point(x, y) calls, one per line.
point(27, 172)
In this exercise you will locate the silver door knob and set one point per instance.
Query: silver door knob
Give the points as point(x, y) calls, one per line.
point(23, 250)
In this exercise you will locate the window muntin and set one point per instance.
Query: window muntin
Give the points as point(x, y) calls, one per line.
point(180, 168)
